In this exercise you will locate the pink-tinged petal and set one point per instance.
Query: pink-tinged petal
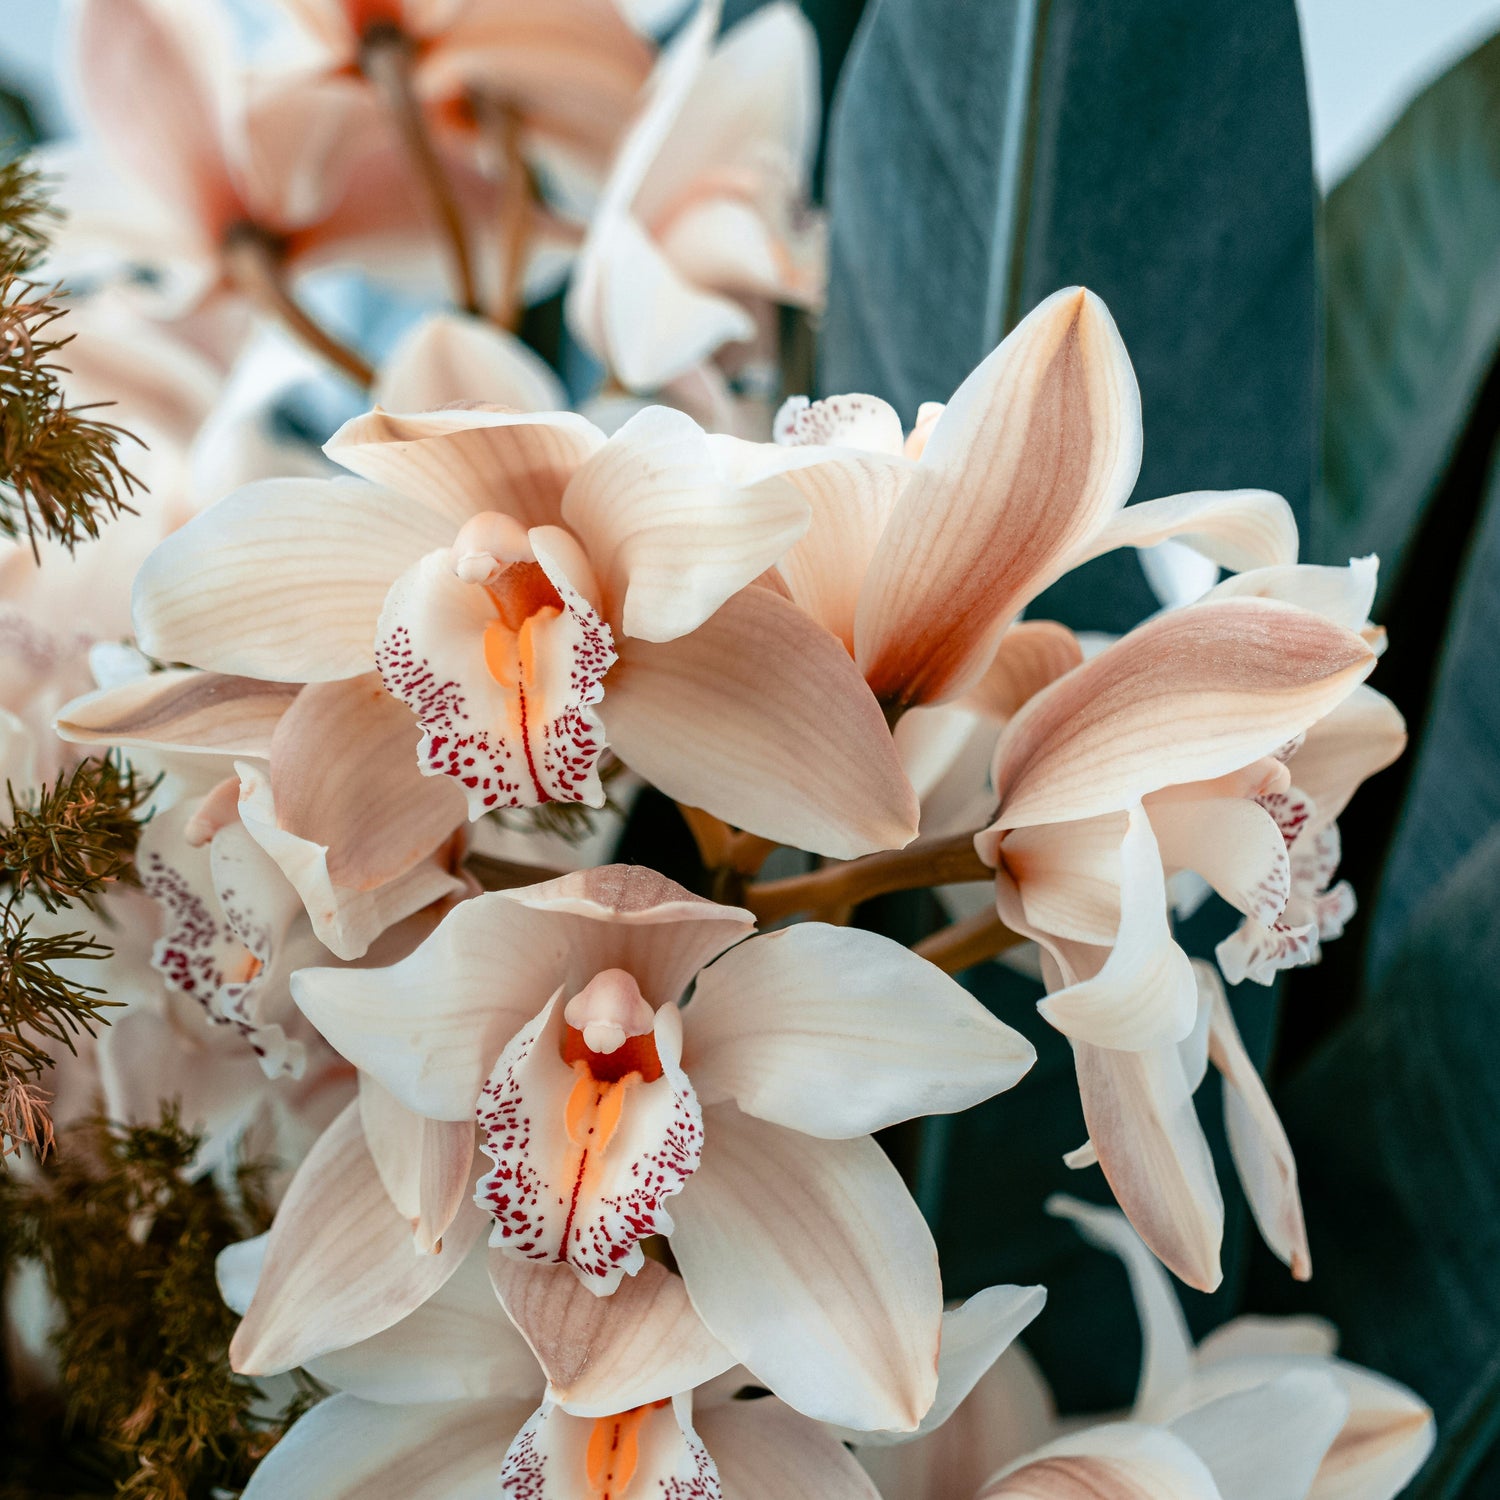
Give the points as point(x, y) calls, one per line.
point(283, 579)
point(460, 463)
point(1144, 995)
point(1195, 693)
point(1343, 595)
point(839, 422)
point(1259, 953)
point(1032, 655)
point(737, 248)
point(348, 1449)
point(839, 1033)
point(1140, 1117)
point(852, 497)
point(503, 678)
point(760, 718)
point(1067, 875)
point(670, 536)
point(149, 91)
point(809, 1261)
point(181, 710)
point(765, 1450)
point(339, 1264)
point(1119, 1461)
point(449, 358)
point(652, 1448)
point(1252, 1336)
point(1167, 1357)
point(629, 305)
point(1386, 1439)
point(1233, 843)
point(1269, 1440)
point(227, 917)
point(1036, 450)
point(1009, 1413)
point(1363, 735)
point(975, 1335)
point(343, 778)
point(1238, 529)
point(426, 1166)
point(347, 918)
point(628, 917)
point(584, 1164)
point(609, 1354)
point(1262, 1154)
point(431, 1026)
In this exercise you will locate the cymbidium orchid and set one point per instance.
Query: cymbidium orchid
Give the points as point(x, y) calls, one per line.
point(923, 550)
point(703, 226)
point(1259, 1410)
point(548, 1017)
point(536, 593)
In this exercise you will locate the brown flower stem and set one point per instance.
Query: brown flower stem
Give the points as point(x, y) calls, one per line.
point(931, 861)
point(254, 265)
point(506, 874)
point(712, 835)
point(518, 193)
point(385, 57)
point(971, 941)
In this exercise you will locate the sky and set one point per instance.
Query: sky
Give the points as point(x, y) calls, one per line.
point(1365, 59)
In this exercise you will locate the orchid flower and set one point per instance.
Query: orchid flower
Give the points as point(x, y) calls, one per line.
point(548, 1018)
point(1260, 1410)
point(222, 185)
point(535, 593)
point(703, 225)
point(447, 1398)
point(923, 550)
point(566, 75)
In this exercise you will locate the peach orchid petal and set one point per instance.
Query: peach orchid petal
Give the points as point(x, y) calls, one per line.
point(349, 1449)
point(652, 1448)
point(1233, 843)
point(503, 673)
point(1067, 875)
point(1262, 1154)
point(1167, 1354)
point(1119, 1461)
point(584, 1164)
point(839, 1033)
point(762, 1448)
point(149, 86)
point(1192, 694)
point(449, 358)
point(1387, 1438)
point(1032, 655)
point(809, 1261)
point(1140, 1117)
point(181, 709)
point(463, 462)
point(1144, 994)
point(1344, 595)
point(605, 1355)
point(346, 917)
point(1238, 529)
point(339, 1263)
point(1036, 450)
point(283, 579)
point(1363, 735)
point(760, 718)
point(852, 497)
point(426, 1166)
point(669, 536)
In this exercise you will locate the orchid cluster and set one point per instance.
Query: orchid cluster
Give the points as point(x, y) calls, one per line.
point(576, 1181)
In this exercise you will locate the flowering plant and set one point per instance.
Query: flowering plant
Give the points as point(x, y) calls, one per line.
point(527, 820)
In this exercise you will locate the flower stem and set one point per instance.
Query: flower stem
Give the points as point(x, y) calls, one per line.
point(971, 941)
point(255, 266)
point(931, 861)
point(503, 126)
point(385, 58)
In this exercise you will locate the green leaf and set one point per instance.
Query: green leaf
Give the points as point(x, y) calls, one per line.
point(1413, 312)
